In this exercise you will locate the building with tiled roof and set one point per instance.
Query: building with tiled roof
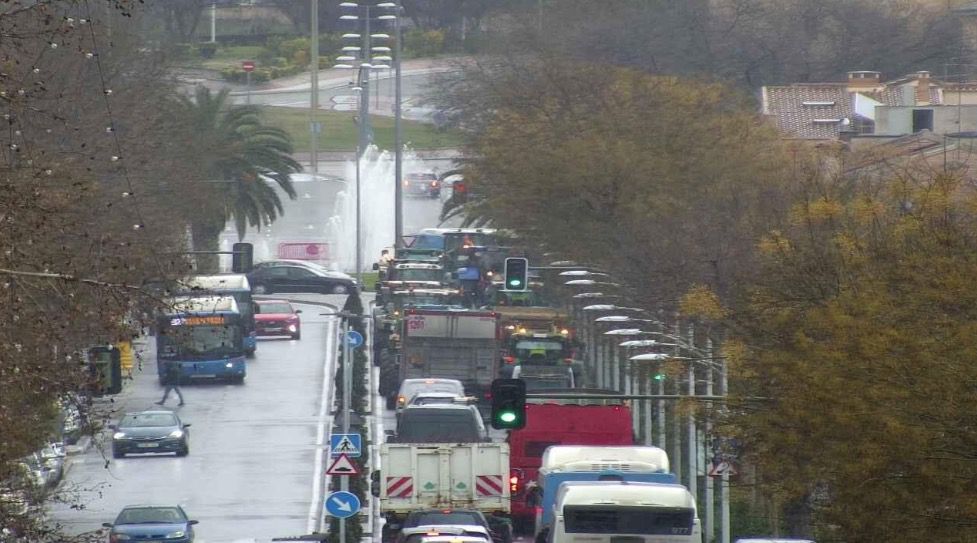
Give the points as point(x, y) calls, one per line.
point(865, 105)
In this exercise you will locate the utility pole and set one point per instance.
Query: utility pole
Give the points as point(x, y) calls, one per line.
point(710, 520)
point(693, 436)
point(364, 83)
point(724, 506)
point(213, 23)
point(398, 143)
point(347, 407)
point(314, 104)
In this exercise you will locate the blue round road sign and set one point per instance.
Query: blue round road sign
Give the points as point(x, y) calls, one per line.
point(342, 504)
point(354, 338)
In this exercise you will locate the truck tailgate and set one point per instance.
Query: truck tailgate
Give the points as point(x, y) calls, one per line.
point(449, 475)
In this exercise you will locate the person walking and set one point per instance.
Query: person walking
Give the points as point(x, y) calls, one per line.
point(171, 376)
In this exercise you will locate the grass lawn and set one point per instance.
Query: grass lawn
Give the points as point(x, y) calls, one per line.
point(231, 55)
point(339, 133)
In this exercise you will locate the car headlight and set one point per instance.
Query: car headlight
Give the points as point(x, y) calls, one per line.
point(176, 534)
point(291, 327)
point(229, 364)
point(176, 433)
point(119, 435)
point(120, 537)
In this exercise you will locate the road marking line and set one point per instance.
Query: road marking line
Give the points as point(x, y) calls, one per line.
point(327, 381)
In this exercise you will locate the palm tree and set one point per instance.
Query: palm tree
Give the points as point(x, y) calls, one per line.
point(245, 157)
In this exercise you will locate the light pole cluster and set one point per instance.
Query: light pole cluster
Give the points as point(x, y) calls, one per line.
point(636, 367)
point(365, 52)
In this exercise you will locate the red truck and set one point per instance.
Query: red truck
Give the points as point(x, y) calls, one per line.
point(563, 423)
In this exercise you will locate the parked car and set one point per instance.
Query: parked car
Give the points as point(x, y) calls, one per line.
point(422, 184)
point(168, 523)
point(150, 432)
point(299, 276)
point(277, 318)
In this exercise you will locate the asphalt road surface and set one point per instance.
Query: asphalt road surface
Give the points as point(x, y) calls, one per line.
point(250, 474)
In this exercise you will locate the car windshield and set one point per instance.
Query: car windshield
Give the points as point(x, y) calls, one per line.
point(417, 275)
point(150, 515)
point(143, 420)
point(266, 308)
point(441, 517)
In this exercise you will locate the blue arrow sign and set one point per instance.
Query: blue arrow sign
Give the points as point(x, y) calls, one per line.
point(342, 504)
point(349, 444)
point(354, 338)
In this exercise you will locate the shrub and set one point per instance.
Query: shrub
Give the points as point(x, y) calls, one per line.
point(182, 50)
point(207, 50)
point(424, 43)
point(289, 48)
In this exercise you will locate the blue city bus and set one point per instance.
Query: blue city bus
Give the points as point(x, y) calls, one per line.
point(227, 284)
point(204, 337)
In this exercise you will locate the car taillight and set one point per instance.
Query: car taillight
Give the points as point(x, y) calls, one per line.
point(401, 400)
point(434, 184)
point(509, 359)
point(514, 484)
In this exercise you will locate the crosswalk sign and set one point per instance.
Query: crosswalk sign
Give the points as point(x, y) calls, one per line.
point(349, 444)
point(342, 465)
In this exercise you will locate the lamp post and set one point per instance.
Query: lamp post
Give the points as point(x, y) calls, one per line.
point(398, 141)
point(314, 98)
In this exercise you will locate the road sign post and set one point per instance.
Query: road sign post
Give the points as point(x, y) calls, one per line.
point(342, 504)
point(248, 67)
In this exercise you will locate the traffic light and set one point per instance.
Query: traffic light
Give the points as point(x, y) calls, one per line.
point(508, 404)
point(243, 258)
point(516, 273)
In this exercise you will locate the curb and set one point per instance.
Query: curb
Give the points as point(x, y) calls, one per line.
point(81, 447)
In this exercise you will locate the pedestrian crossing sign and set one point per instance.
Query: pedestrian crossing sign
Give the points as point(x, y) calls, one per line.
point(349, 444)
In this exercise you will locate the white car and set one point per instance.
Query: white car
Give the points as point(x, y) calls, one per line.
point(433, 398)
point(412, 387)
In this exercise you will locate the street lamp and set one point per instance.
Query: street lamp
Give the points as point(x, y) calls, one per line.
point(594, 295)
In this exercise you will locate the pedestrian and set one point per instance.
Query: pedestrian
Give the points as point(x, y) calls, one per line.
point(171, 379)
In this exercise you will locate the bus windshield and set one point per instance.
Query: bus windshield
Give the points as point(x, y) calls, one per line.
point(637, 520)
point(200, 341)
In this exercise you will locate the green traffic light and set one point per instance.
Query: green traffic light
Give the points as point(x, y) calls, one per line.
point(659, 377)
point(515, 282)
point(507, 417)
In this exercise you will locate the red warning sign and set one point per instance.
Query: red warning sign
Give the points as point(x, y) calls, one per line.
point(342, 465)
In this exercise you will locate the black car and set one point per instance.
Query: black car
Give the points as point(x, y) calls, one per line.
point(422, 184)
point(150, 432)
point(298, 276)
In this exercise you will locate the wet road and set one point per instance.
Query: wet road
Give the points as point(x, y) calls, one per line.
point(250, 474)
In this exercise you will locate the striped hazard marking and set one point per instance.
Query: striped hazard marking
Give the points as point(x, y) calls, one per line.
point(400, 487)
point(488, 485)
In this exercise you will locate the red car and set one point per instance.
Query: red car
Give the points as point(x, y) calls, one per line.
point(277, 318)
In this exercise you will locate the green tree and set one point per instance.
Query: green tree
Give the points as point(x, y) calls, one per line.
point(242, 159)
point(662, 177)
point(859, 331)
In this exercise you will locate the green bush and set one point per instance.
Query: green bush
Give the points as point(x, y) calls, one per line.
point(182, 50)
point(424, 43)
point(331, 44)
point(207, 50)
point(289, 48)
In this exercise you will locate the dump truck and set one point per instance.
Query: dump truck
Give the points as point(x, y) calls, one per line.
point(447, 476)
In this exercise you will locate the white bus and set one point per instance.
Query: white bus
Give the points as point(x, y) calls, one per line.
point(624, 512)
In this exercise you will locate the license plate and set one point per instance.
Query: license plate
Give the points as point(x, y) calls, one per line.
point(147, 445)
point(203, 376)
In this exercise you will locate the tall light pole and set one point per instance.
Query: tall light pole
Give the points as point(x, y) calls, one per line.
point(398, 139)
point(359, 154)
point(314, 103)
